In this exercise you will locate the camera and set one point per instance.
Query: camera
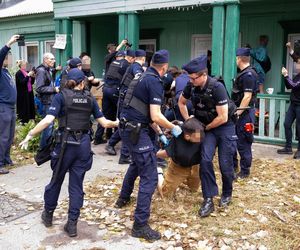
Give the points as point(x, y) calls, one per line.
point(127, 44)
point(21, 40)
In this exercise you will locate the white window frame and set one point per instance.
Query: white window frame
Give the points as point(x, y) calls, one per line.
point(46, 45)
point(148, 42)
point(206, 38)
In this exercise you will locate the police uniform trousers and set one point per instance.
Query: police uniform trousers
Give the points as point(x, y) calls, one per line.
point(225, 139)
point(77, 160)
point(143, 165)
point(245, 140)
point(7, 130)
point(292, 113)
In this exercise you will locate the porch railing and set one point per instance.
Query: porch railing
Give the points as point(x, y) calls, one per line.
point(270, 118)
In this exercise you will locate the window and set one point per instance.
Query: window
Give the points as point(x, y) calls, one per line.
point(49, 47)
point(31, 53)
point(292, 67)
point(200, 45)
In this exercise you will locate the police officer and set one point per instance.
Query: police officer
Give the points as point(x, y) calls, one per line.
point(134, 70)
point(142, 106)
point(211, 107)
point(72, 152)
point(244, 92)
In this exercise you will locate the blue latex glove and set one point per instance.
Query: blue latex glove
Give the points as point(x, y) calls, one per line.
point(176, 131)
point(163, 139)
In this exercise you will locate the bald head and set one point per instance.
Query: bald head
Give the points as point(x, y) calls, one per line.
point(48, 59)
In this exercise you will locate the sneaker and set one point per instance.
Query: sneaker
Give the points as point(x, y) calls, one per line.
point(297, 154)
point(285, 150)
point(110, 150)
point(124, 159)
point(71, 228)
point(3, 170)
point(47, 217)
point(145, 232)
point(121, 202)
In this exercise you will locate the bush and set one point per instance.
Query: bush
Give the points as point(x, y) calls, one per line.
point(23, 130)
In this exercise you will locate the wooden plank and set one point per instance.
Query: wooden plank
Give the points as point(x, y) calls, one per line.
point(282, 113)
point(272, 115)
point(261, 123)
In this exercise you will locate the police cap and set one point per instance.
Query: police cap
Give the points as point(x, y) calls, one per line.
point(140, 53)
point(160, 57)
point(130, 53)
point(76, 74)
point(243, 52)
point(120, 53)
point(75, 62)
point(196, 65)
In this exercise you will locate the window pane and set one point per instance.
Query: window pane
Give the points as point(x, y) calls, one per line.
point(32, 55)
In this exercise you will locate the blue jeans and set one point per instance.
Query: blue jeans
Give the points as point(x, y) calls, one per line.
point(7, 132)
point(47, 132)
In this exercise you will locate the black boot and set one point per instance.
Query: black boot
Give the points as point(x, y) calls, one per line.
point(124, 159)
point(207, 207)
point(47, 217)
point(121, 202)
point(145, 232)
point(225, 201)
point(297, 154)
point(71, 228)
point(110, 150)
point(285, 150)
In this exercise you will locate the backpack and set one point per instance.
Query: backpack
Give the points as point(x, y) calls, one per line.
point(265, 64)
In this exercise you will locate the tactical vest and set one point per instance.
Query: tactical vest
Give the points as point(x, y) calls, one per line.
point(114, 70)
point(205, 106)
point(77, 110)
point(131, 101)
point(128, 77)
point(237, 89)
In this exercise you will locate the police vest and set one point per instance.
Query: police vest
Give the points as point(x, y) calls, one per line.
point(131, 101)
point(128, 77)
point(205, 105)
point(238, 91)
point(77, 110)
point(114, 70)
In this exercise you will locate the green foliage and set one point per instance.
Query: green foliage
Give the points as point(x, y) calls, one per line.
point(23, 130)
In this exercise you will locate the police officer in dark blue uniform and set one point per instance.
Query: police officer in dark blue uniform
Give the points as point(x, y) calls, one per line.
point(211, 107)
point(72, 152)
point(134, 70)
point(142, 107)
point(244, 92)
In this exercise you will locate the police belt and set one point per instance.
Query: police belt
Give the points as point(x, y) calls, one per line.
point(76, 134)
point(111, 85)
point(131, 124)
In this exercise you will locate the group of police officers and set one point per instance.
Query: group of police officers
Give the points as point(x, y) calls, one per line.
point(135, 96)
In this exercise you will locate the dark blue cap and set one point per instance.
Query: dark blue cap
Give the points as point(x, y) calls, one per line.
point(76, 74)
point(243, 52)
point(161, 56)
point(140, 53)
point(196, 65)
point(75, 62)
point(121, 53)
point(130, 53)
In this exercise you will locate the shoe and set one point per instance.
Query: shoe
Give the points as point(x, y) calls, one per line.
point(47, 217)
point(145, 232)
point(207, 207)
point(121, 202)
point(242, 175)
point(285, 150)
point(71, 228)
point(124, 160)
point(297, 154)
point(3, 170)
point(225, 201)
point(101, 141)
point(110, 150)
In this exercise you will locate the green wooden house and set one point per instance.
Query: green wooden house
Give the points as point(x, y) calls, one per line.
point(34, 19)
